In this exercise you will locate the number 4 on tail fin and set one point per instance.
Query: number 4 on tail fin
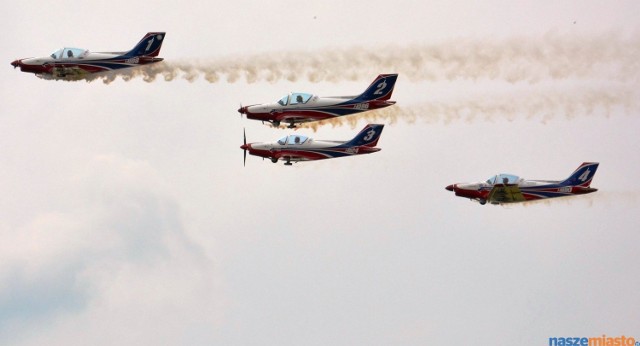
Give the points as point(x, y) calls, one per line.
point(583, 175)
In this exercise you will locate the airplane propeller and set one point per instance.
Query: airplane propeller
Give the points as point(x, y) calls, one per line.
point(241, 110)
point(244, 146)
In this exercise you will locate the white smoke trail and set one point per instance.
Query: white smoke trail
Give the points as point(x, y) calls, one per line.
point(587, 199)
point(611, 56)
point(607, 198)
point(544, 105)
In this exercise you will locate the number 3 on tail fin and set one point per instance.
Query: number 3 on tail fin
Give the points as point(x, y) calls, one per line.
point(369, 135)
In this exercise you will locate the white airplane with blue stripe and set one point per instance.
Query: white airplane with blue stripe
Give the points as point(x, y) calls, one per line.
point(509, 188)
point(77, 63)
point(296, 148)
point(296, 107)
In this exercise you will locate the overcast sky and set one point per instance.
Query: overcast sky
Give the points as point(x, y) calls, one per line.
point(127, 217)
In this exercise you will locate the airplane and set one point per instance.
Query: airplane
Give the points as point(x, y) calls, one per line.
point(295, 148)
point(295, 108)
point(509, 188)
point(77, 63)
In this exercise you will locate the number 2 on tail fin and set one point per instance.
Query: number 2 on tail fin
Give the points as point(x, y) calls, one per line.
point(380, 87)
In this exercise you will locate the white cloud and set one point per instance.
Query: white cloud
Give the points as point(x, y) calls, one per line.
point(119, 258)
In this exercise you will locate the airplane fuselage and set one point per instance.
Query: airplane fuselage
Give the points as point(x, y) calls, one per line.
point(317, 108)
point(70, 63)
point(72, 68)
point(509, 188)
point(294, 148)
point(529, 189)
point(312, 150)
point(298, 107)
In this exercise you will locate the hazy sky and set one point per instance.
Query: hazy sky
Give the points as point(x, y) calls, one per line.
point(127, 217)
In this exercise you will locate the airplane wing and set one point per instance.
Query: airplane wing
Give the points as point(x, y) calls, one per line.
point(69, 73)
point(505, 194)
point(296, 155)
point(299, 118)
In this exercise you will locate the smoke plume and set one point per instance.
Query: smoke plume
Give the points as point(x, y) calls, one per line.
point(605, 198)
point(519, 59)
point(543, 105)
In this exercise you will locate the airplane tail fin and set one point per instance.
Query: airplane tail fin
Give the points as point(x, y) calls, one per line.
point(381, 88)
point(583, 175)
point(149, 45)
point(368, 137)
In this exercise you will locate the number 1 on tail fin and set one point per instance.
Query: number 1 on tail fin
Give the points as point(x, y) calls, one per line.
point(149, 45)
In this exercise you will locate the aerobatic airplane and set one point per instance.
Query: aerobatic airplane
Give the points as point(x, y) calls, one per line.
point(508, 188)
point(296, 148)
point(77, 63)
point(296, 108)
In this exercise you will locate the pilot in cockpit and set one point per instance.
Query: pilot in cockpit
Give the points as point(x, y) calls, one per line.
point(69, 54)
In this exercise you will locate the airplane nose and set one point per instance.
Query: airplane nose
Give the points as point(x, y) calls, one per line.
point(242, 110)
point(15, 63)
point(244, 147)
point(450, 187)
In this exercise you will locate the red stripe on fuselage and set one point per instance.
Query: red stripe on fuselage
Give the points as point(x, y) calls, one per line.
point(317, 113)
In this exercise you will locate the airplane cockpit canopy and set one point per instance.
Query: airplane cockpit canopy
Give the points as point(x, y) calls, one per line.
point(284, 100)
point(69, 53)
point(503, 179)
point(294, 99)
point(292, 140)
